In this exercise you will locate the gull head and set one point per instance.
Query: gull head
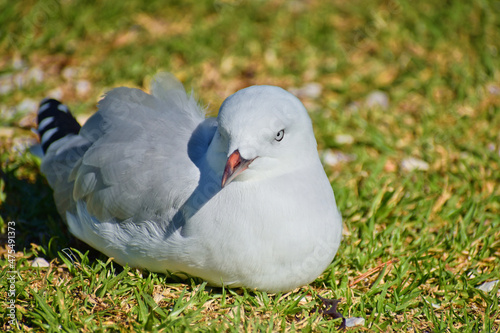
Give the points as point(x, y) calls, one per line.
point(263, 131)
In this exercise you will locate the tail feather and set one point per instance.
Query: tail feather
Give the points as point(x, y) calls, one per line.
point(55, 121)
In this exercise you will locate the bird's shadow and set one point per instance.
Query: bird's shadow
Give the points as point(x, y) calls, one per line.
point(209, 184)
point(29, 211)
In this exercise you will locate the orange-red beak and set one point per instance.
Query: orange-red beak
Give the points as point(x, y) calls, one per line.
point(234, 166)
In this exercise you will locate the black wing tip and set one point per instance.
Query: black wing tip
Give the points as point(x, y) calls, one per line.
point(55, 121)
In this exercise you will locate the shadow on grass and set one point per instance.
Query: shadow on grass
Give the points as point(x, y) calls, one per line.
point(29, 203)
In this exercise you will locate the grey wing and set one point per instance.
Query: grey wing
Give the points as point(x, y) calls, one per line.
point(57, 166)
point(135, 164)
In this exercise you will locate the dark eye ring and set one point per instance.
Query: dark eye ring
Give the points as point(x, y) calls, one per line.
point(280, 135)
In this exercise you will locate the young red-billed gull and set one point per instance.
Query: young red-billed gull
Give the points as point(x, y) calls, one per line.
point(240, 200)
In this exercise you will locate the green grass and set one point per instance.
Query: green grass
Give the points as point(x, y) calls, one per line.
point(437, 230)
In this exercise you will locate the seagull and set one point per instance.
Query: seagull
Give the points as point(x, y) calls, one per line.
point(240, 200)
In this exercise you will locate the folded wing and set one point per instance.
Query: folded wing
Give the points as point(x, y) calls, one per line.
point(131, 159)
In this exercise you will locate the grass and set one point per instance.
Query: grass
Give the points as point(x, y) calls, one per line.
point(417, 243)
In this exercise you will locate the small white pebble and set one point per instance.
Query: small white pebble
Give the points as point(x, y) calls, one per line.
point(310, 90)
point(18, 63)
point(378, 99)
point(27, 105)
point(493, 89)
point(6, 84)
point(39, 262)
point(20, 80)
point(303, 299)
point(332, 158)
point(69, 73)
point(488, 286)
point(354, 321)
point(411, 163)
point(35, 74)
point(296, 6)
point(83, 87)
point(344, 139)
point(56, 93)
point(158, 297)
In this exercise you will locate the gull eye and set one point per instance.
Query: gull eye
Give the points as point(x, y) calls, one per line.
point(280, 135)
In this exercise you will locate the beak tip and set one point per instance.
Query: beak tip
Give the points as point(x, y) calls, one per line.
point(234, 166)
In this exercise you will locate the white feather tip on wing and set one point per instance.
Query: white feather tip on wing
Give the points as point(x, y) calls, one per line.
point(167, 87)
point(164, 82)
